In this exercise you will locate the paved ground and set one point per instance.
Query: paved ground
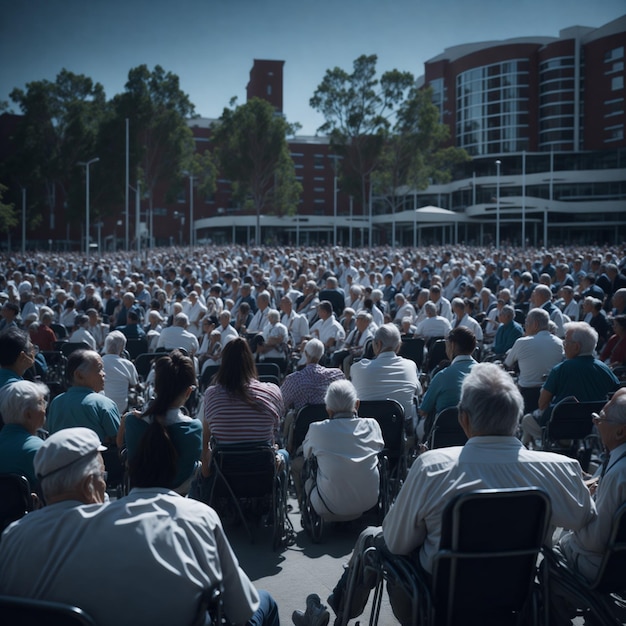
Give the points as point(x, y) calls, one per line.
point(295, 572)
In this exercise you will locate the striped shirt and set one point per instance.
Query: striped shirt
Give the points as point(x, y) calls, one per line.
point(232, 420)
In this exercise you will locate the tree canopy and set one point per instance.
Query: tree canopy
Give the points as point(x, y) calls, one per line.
point(252, 150)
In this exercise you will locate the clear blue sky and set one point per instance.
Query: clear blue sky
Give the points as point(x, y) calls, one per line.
point(211, 44)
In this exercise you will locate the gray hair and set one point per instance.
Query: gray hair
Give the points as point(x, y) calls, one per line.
point(430, 308)
point(314, 349)
point(544, 291)
point(273, 316)
point(341, 397)
point(491, 400)
point(69, 479)
point(584, 335)
point(539, 317)
point(115, 342)
point(225, 314)
point(181, 319)
point(389, 337)
point(616, 409)
point(264, 295)
point(507, 311)
point(19, 397)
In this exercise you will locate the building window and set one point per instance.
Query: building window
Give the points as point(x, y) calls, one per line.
point(617, 82)
point(269, 90)
point(615, 133)
point(616, 53)
point(319, 189)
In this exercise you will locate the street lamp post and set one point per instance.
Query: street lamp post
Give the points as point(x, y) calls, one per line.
point(191, 229)
point(498, 164)
point(86, 165)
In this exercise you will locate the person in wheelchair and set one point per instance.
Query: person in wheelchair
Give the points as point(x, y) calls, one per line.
point(345, 448)
point(164, 419)
point(493, 458)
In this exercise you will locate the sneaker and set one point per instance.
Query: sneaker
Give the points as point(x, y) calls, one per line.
point(316, 613)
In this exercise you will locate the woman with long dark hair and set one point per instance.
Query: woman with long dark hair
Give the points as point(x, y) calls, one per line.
point(164, 444)
point(239, 408)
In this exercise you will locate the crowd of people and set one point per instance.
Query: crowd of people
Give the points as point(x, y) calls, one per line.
point(333, 320)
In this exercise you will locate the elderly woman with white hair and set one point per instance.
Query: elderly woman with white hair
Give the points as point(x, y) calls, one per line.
point(346, 449)
point(120, 373)
point(23, 409)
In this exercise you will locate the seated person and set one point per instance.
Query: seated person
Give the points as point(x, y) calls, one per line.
point(113, 546)
point(17, 354)
point(346, 449)
point(120, 373)
point(614, 351)
point(174, 382)
point(80, 333)
point(493, 458)
point(275, 339)
point(508, 332)
point(23, 408)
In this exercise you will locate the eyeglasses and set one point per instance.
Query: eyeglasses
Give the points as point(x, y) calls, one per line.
point(599, 417)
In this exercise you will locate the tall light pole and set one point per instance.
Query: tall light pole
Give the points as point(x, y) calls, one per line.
point(23, 221)
point(498, 164)
point(191, 230)
point(86, 165)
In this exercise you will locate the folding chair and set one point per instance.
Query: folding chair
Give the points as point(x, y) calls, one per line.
point(569, 428)
point(245, 476)
point(609, 586)
point(135, 347)
point(484, 572)
point(143, 363)
point(207, 375)
point(306, 416)
point(67, 347)
point(15, 499)
point(60, 331)
point(390, 416)
point(436, 354)
point(54, 377)
point(28, 612)
point(268, 368)
point(446, 430)
point(413, 349)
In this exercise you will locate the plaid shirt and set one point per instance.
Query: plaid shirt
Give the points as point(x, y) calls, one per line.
point(309, 385)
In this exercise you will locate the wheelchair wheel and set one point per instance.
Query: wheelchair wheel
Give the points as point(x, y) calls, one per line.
point(283, 534)
point(312, 523)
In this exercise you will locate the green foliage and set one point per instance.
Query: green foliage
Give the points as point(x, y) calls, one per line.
point(8, 217)
point(59, 128)
point(251, 146)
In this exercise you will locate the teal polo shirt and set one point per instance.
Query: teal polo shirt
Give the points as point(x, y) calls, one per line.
point(8, 376)
point(17, 452)
point(81, 406)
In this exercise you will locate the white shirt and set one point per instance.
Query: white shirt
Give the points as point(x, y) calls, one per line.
point(347, 450)
point(276, 331)
point(387, 376)
point(82, 334)
point(228, 334)
point(437, 326)
point(414, 521)
point(120, 375)
point(177, 337)
point(472, 324)
point(535, 355)
point(327, 329)
point(259, 322)
point(443, 308)
point(297, 325)
point(169, 543)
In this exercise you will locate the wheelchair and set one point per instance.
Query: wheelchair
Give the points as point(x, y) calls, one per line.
point(314, 524)
point(246, 483)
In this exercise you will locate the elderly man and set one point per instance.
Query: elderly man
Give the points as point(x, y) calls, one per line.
point(354, 344)
point(177, 336)
point(493, 458)
point(433, 325)
point(445, 388)
point(151, 539)
point(275, 339)
point(581, 375)
point(403, 309)
point(388, 375)
point(535, 355)
point(120, 373)
point(463, 318)
point(346, 449)
point(297, 325)
point(227, 332)
point(23, 406)
point(327, 329)
point(541, 297)
point(443, 304)
point(509, 331)
point(333, 294)
point(307, 303)
point(259, 320)
point(83, 404)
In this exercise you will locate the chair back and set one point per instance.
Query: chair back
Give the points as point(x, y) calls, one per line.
point(308, 414)
point(486, 564)
point(207, 375)
point(143, 363)
point(135, 347)
point(263, 368)
point(413, 349)
point(67, 347)
point(390, 415)
point(612, 573)
point(436, 354)
point(269, 378)
point(15, 498)
point(446, 430)
point(571, 419)
point(60, 330)
point(27, 612)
